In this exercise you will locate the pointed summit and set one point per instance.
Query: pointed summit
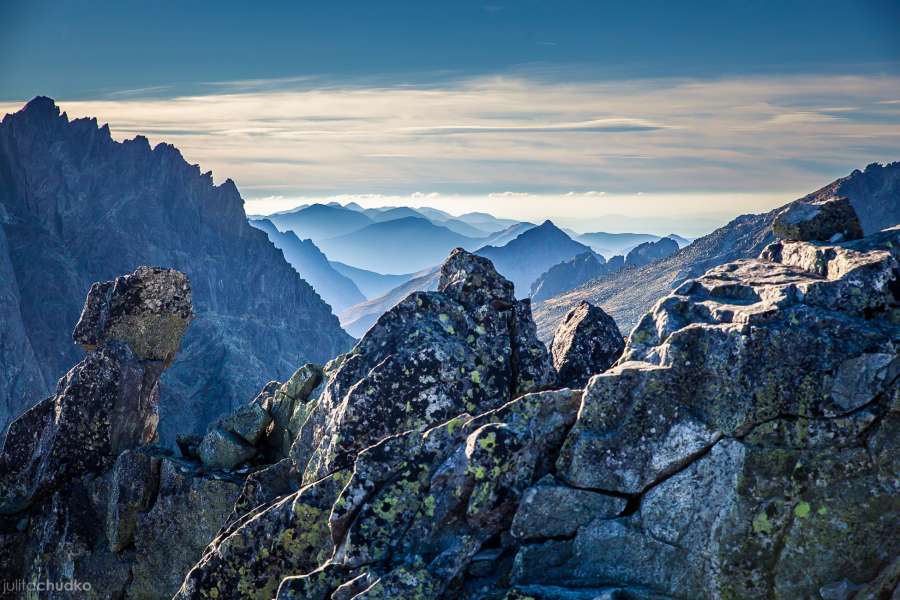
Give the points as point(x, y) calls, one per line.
point(41, 105)
point(534, 251)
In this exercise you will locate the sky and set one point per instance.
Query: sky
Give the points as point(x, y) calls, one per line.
point(672, 115)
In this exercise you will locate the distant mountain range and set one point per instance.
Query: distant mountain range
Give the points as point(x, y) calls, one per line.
point(626, 295)
point(320, 221)
point(77, 207)
point(370, 283)
point(396, 246)
point(338, 290)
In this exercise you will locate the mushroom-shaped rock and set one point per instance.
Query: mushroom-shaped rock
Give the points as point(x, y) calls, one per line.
point(829, 220)
point(587, 342)
point(149, 310)
point(108, 402)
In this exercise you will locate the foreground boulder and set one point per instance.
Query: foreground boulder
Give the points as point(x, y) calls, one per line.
point(826, 220)
point(587, 342)
point(84, 498)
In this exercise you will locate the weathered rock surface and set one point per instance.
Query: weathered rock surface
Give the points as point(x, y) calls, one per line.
point(744, 446)
point(83, 497)
point(465, 349)
point(468, 347)
point(109, 401)
point(586, 343)
point(828, 220)
point(740, 421)
point(77, 207)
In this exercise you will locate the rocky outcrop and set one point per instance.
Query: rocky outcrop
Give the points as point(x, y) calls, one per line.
point(648, 252)
point(84, 498)
point(744, 446)
point(77, 207)
point(467, 348)
point(830, 220)
point(588, 342)
point(265, 428)
point(570, 274)
point(107, 403)
point(628, 295)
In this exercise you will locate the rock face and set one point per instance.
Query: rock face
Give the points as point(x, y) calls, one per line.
point(744, 446)
point(572, 273)
point(626, 296)
point(829, 220)
point(83, 498)
point(78, 207)
point(588, 342)
point(648, 252)
point(471, 335)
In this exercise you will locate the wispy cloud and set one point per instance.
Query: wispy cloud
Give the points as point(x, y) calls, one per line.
point(293, 137)
point(592, 126)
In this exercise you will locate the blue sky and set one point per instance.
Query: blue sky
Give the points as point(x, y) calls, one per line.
point(698, 109)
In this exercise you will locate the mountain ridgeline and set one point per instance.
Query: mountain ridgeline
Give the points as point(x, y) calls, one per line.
point(78, 207)
point(626, 295)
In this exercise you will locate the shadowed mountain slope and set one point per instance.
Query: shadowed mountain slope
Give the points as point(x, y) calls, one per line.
point(78, 207)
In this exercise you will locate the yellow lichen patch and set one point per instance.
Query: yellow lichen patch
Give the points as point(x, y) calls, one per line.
point(761, 523)
point(801, 511)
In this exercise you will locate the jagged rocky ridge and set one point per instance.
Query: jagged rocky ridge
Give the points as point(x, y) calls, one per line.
point(744, 446)
point(78, 207)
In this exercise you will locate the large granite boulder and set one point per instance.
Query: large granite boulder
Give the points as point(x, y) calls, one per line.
point(826, 220)
point(751, 424)
point(468, 347)
point(586, 343)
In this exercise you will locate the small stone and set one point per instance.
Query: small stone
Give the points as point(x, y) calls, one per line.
point(249, 422)
point(586, 343)
point(224, 450)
